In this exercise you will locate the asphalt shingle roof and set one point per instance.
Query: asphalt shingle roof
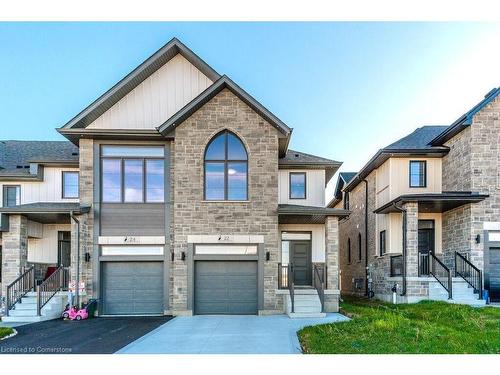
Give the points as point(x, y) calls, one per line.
point(347, 176)
point(16, 155)
point(419, 139)
point(297, 157)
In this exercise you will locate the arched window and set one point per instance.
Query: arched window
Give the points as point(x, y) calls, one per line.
point(360, 255)
point(348, 250)
point(226, 168)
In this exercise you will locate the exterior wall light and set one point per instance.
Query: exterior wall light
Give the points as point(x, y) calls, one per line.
point(268, 256)
point(183, 256)
point(478, 238)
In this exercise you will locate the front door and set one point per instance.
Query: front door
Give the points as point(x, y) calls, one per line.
point(425, 245)
point(64, 249)
point(301, 261)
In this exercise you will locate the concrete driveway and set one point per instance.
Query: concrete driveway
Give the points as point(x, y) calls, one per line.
point(226, 334)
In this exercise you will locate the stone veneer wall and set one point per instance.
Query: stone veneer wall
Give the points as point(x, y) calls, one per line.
point(350, 228)
point(86, 186)
point(14, 250)
point(332, 263)
point(473, 165)
point(194, 216)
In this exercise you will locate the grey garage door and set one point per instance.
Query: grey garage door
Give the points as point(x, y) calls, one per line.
point(494, 273)
point(225, 287)
point(132, 288)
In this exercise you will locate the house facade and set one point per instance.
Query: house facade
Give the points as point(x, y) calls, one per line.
point(187, 201)
point(425, 219)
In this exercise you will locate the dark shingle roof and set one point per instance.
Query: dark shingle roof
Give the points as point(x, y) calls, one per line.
point(293, 157)
point(16, 155)
point(347, 176)
point(419, 139)
point(465, 120)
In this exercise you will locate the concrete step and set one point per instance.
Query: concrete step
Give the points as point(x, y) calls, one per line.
point(301, 315)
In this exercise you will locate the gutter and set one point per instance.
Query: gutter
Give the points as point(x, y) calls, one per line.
point(403, 211)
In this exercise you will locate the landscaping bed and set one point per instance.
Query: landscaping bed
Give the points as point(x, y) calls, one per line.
point(425, 327)
point(5, 331)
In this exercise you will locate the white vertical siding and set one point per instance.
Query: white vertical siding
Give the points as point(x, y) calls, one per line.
point(48, 190)
point(44, 250)
point(315, 187)
point(317, 239)
point(157, 98)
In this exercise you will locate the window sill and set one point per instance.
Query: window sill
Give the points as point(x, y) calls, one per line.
point(209, 201)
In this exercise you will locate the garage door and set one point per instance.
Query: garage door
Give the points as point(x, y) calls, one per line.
point(494, 273)
point(225, 287)
point(132, 288)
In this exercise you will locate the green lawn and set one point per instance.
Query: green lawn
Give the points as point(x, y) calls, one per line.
point(4, 331)
point(425, 327)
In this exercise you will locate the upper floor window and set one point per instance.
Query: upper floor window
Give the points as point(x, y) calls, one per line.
point(226, 168)
point(297, 185)
point(382, 243)
point(69, 184)
point(359, 247)
point(346, 200)
point(348, 250)
point(418, 169)
point(132, 174)
point(11, 195)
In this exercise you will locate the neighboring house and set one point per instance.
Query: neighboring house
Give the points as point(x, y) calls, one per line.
point(426, 213)
point(188, 201)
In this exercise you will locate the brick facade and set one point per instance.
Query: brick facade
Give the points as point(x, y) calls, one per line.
point(194, 216)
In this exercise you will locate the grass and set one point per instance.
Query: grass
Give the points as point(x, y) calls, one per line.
point(5, 331)
point(427, 327)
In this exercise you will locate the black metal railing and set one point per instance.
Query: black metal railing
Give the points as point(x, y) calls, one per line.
point(50, 286)
point(469, 272)
point(441, 273)
point(285, 281)
point(396, 265)
point(19, 288)
point(423, 264)
point(319, 277)
point(282, 276)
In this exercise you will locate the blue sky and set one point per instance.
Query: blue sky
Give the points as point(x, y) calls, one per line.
point(347, 89)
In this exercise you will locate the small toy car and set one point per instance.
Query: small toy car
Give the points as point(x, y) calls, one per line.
point(74, 314)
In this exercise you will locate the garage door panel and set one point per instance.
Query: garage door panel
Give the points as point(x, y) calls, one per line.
point(226, 287)
point(132, 288)
point(494, 273)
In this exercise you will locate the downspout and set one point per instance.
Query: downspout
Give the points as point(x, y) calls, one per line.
point(403, 211)
point(366, 237)
point(77, 287)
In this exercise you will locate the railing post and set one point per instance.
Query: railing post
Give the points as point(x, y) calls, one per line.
point(38, 301)
point(450, 285)
point(481, 285)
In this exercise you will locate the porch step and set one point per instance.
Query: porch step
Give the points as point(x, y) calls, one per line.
point(26, 310)
point(306, 305)
point(462, 293)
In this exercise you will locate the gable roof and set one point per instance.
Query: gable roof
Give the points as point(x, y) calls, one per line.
point(343, 179)
point(300, 160)
point(465, 120)
point(137, 76)
point(414, 144)
point(221, 84)
point(15, 156)
point(204, 97)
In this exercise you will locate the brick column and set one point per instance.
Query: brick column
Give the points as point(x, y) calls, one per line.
point(14, 250)
point(411, 238)
point(332, 263)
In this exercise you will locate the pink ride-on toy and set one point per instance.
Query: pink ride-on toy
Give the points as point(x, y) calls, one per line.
point(73, 313)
